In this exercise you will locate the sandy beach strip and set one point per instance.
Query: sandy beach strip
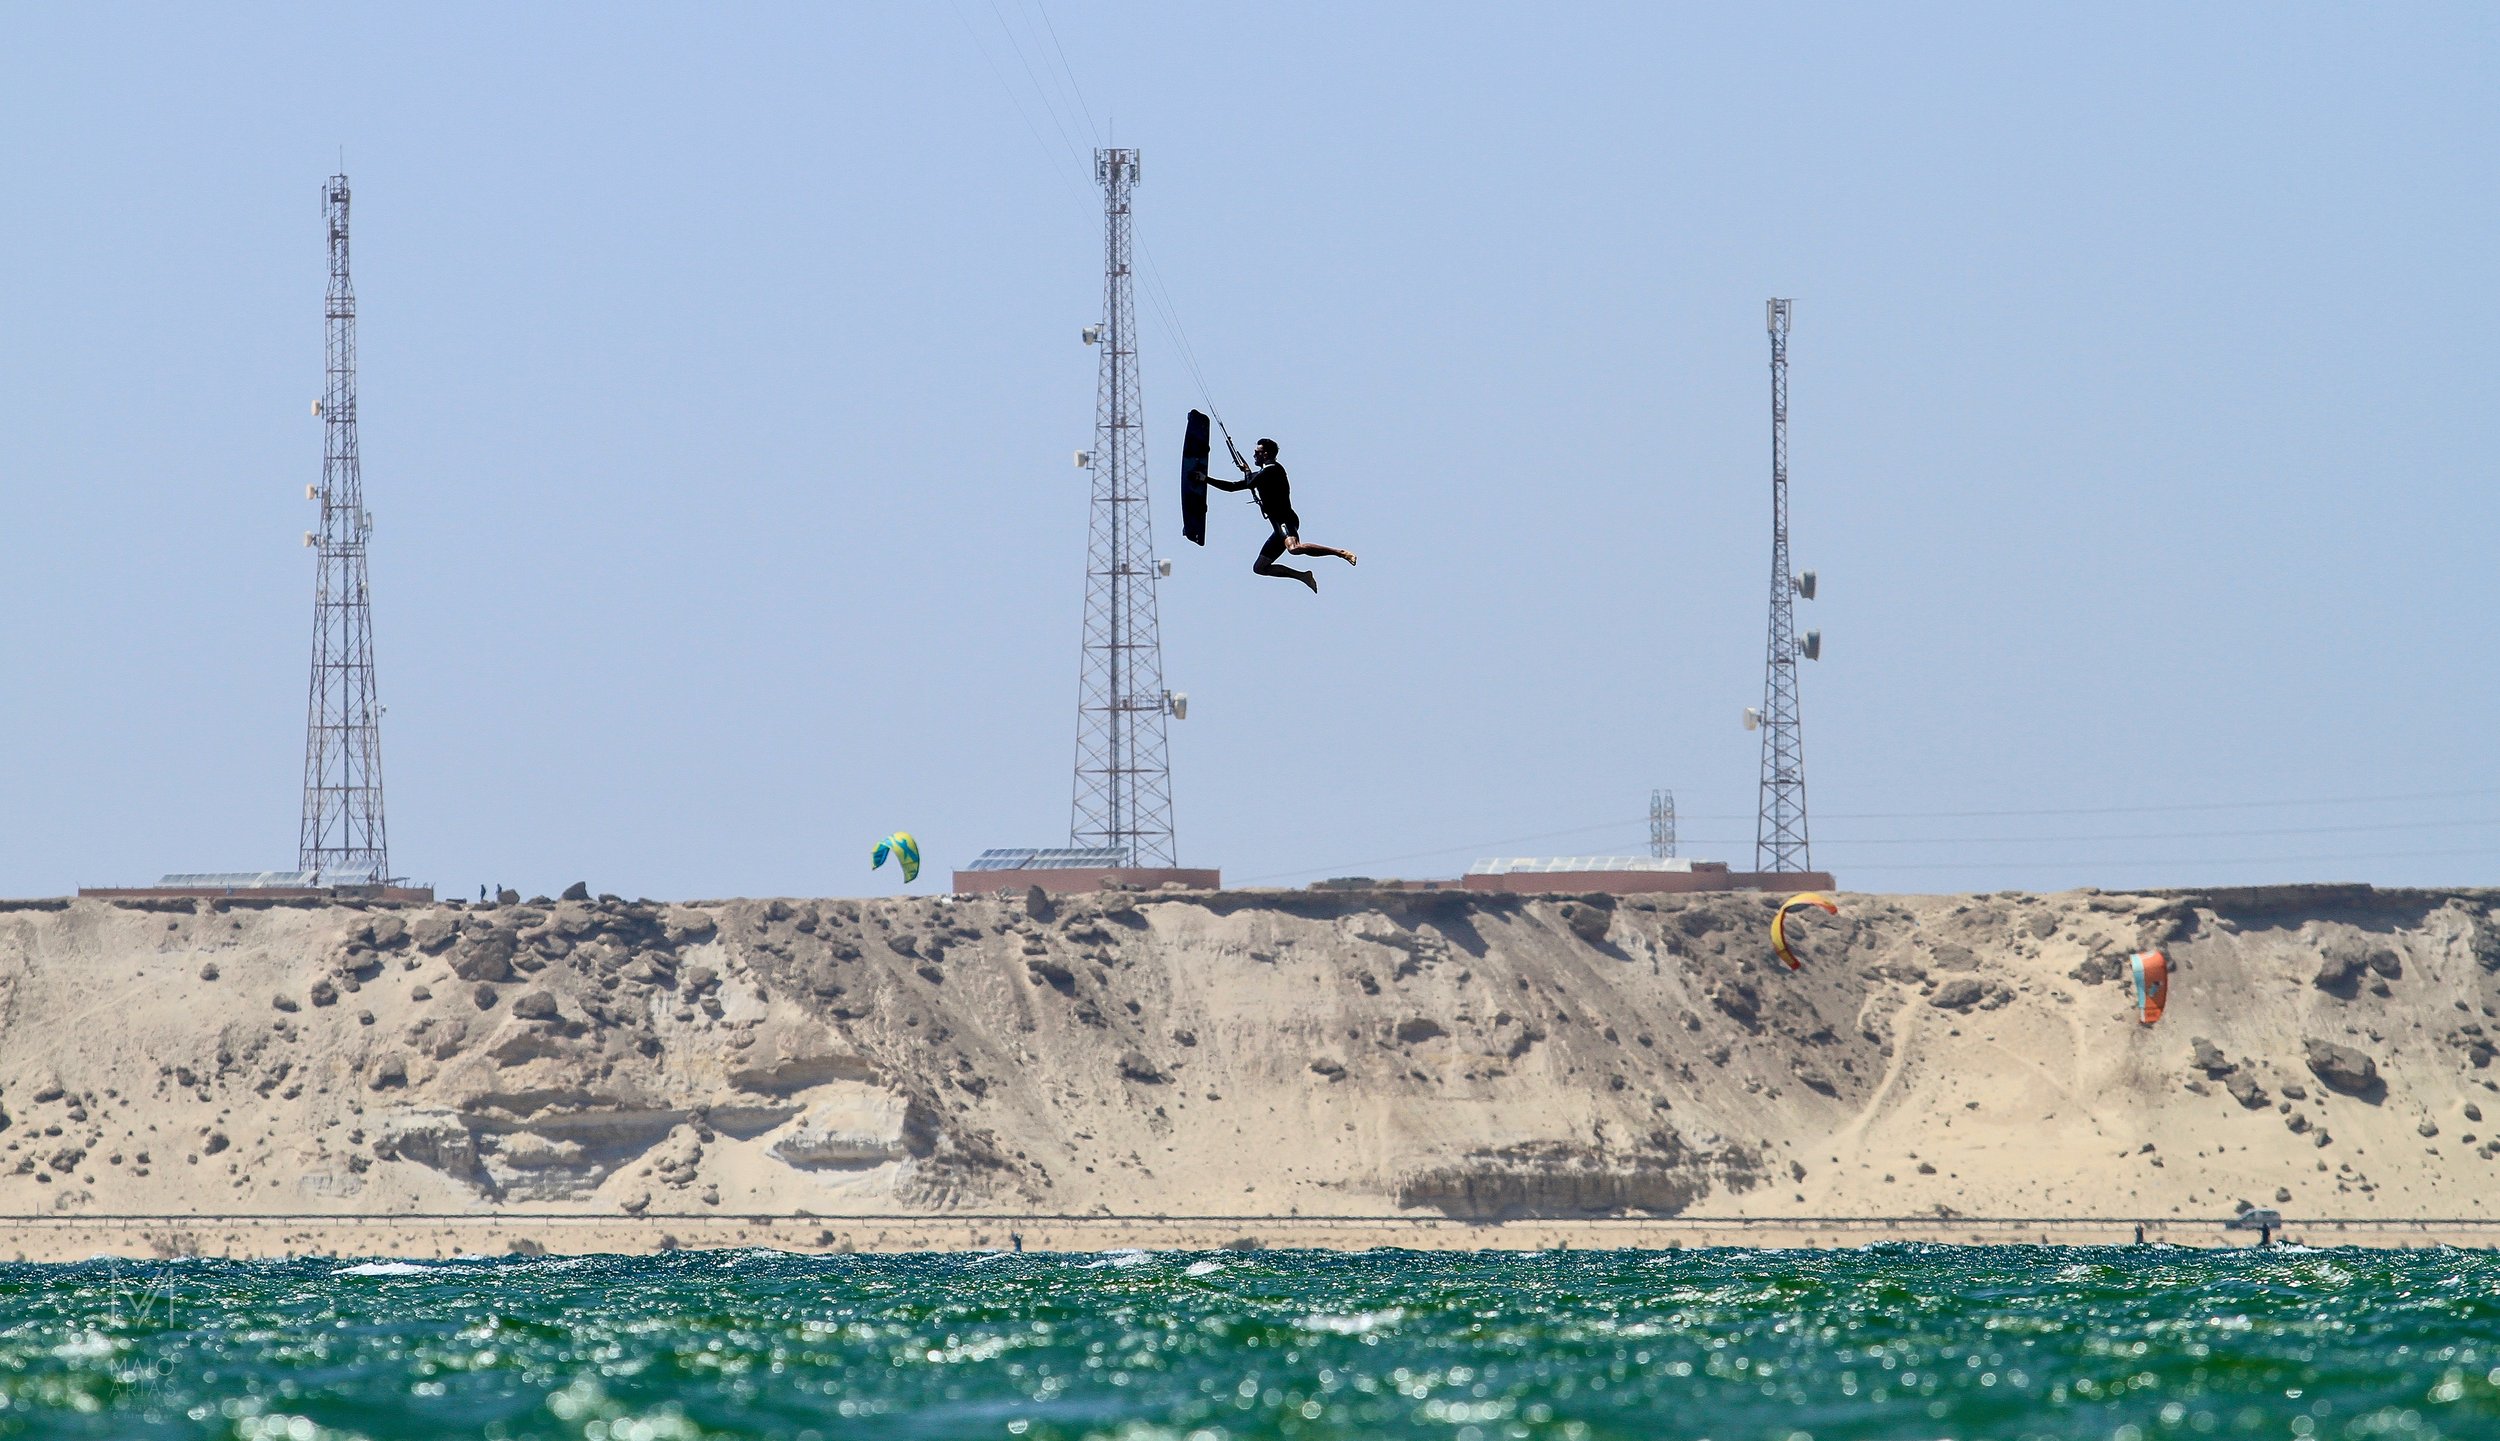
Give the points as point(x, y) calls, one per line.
point(66, 1238)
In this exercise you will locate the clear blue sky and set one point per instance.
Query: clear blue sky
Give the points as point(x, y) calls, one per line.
point(721, 373)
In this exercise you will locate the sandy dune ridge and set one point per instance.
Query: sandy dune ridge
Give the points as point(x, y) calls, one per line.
point(1302, 1065)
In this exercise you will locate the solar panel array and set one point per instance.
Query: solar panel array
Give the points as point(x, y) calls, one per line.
point(1062, 858)
point(1550, 865)
point(243, 880)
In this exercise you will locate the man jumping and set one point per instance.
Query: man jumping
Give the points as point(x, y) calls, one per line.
point(1267, 484)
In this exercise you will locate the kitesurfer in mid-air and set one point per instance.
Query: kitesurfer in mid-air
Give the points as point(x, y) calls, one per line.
point(1266, 483)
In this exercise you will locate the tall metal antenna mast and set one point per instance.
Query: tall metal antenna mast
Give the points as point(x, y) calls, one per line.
point(1662, 824)
point(1780, 830)
point(1123, 772)
point(344, 840)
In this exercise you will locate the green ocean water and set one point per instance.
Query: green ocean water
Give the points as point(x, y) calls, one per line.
point(1889, 1342)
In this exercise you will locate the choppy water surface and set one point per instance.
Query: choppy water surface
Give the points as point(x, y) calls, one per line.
point(1913, 1341)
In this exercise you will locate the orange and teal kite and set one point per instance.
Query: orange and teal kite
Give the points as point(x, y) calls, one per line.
point(2150, 971)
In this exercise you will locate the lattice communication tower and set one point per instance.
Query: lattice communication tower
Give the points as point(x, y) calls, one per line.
point(344, 840)
point(1662, 824)
point(1780, 830)
point(1123, 771)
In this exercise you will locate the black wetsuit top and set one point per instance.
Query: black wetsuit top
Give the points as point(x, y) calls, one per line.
point(1268, 486)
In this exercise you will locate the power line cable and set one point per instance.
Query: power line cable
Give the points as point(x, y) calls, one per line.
point(1629, 825)
point(1984, 866)
point(1049, 107)
point(1167, 314)
point(1012, 97)
point(1158, 292)
point(2149, 810)
point(1165, 311)
point(1066, 69)
point(2167, 809)
point(2147, 837)
point(2338, 857)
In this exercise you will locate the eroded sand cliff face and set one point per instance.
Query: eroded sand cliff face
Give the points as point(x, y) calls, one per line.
point(2327, 1050)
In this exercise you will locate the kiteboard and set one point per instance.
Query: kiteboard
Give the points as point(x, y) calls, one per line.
point(1194, 448)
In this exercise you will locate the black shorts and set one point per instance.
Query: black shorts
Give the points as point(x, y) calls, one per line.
point(1275, 543)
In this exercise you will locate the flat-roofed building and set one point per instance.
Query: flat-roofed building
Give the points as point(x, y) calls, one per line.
point(259, 885)
point(1072, 868)
point(1630, 876)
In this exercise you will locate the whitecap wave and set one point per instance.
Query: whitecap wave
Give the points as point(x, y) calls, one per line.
point(1354, 1325)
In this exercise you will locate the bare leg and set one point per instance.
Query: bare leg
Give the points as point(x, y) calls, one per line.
point(1278, 544)
point(1302, 547)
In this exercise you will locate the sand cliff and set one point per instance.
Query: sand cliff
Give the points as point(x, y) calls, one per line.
point(2327, 1050)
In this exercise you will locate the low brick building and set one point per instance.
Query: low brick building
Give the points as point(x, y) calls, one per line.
point(1630, 876)
point(1073, 868)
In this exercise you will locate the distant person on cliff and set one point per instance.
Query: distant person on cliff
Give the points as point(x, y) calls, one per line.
point(1267, 484)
